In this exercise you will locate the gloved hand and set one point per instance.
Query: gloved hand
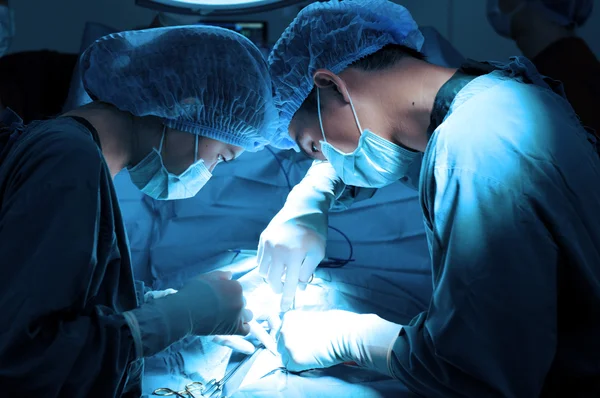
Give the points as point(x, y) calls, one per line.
point(260, 301)
point(208, 305)
point(263, 335)
point(312, 340)
point(293, 244)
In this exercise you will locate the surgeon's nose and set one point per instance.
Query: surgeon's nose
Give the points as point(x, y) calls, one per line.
point(213, 164)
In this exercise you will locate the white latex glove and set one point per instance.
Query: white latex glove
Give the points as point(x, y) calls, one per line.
point(258, 332)
point(156, 294)
point(313, 340)
point(293, 244)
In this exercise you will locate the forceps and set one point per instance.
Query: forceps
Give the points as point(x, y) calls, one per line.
point(185, 393)
point(215, 388)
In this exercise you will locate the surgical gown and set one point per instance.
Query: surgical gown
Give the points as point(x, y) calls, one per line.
point(510, 191)
point(65, 269)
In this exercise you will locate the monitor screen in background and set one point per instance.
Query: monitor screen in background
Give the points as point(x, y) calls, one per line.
point(255, 31)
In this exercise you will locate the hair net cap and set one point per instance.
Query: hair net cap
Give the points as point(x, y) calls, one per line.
point(332, 35)
point(202, 80)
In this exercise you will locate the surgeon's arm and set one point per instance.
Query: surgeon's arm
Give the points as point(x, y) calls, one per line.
point(490, 330)
point(309, 202)
point(56, 227)
point(324, 187)
point(293, 244)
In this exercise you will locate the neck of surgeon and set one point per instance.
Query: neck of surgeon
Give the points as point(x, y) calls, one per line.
point(119, 133)
point(407, 110)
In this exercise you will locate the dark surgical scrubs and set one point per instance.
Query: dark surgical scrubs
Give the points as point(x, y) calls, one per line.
point(510, 197)
point(65, 268)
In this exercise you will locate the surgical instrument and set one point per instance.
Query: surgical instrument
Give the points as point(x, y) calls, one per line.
point(263, 336)
point(213, 388)
point(187, 392)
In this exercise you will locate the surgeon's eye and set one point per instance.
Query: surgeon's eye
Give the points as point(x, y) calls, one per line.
point(221, 158)
point(313, 148)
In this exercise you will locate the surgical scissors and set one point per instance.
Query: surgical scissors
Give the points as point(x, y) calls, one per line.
point(215, 388)
point(187, 392)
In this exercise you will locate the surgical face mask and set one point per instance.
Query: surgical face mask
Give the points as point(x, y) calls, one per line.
point(152, 177)
point(499, 19)
point(374, 163)
point(564, 13)
point(7, 29)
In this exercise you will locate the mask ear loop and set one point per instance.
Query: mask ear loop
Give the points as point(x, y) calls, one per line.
point(196, 151)
point(319, 112)
point(162, 139)
point(360, 130)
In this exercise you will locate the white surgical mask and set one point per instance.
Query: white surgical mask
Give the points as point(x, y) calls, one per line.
point(7, 29)
point(375, 163)
point(152, 177)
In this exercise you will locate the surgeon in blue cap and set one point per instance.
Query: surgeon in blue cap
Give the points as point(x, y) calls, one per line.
point(508, 184)
point(169, 105)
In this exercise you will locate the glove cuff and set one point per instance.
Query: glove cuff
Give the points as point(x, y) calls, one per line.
point(375, 343)
point(155, 328)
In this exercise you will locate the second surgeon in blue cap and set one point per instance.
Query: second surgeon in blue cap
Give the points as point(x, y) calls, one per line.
point(169, 105)
point(508, 189)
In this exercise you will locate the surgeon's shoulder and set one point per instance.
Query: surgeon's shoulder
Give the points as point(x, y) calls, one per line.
point(503, 130)
point(60, 149)
point(511, 117)
point(528, 113)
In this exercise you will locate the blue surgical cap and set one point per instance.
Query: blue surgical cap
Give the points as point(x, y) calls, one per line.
point(202, 80)
point(332, 35)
